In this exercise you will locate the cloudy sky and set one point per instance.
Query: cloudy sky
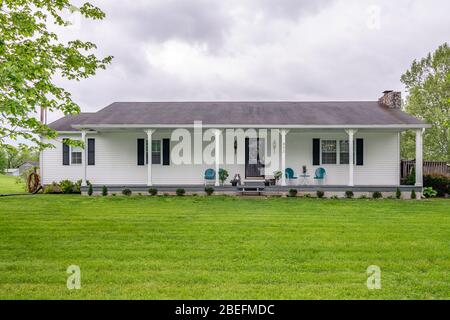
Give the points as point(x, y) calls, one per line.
point(175, 50)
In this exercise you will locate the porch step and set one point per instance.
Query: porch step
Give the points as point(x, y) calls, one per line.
point(251, 188)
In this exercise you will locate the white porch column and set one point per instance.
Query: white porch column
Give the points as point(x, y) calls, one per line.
point(84, 158)
point(217, 155)
point(283, 156)
point(149, 152)
point(419, 158)
point(351, 134)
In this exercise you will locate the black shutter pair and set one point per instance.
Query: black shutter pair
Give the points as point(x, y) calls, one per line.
point(359, 152)
point(141, 152)
point(90, 151)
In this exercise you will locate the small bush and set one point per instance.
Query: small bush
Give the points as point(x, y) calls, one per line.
point(209, 190)
point(334, 197)
point(180, 192)
point(66, 186)
point(293, 192)
point(90, 190)
point(104, 191)
point(126, 192)
point(77, 186)
point(377, 195)
point(113, 194)
point(428, 192)
point(349, 194)
point(320, 194)
point(363, 196)
point(139, 194)
point(439, 183)
point(223, 175)
point(413, 194)
point(398, 193)
point(306, 195)
point(194, 194)
point(49, 189)
point(153, 191)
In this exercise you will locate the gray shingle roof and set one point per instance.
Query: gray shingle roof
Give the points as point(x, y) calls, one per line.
point(241, 113)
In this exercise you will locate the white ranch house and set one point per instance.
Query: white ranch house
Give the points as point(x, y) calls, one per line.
point(130, 145)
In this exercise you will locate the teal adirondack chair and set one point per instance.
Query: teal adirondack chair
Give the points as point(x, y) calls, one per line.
point(320, 174)
point(210, 175)
point(289, 173)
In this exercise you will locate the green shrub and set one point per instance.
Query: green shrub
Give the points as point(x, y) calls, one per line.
point(127, 192)
point(104, 191)
point(363, 196)
point(113, 194)
point(334, 197)
point(349, 194)
point(49, 189)
point(77, 186)
point(377, 195)
point(90, 190)
point(439, 183)
point(428, 192)
point(209, 190)
point(223, 175)
point(413, 194)
point(153, 191)
point(306, 195)
point(411, 178)
point(66, 186)
point(398, 193)
point(180, 192)
point(293, 192)
point(320, 194)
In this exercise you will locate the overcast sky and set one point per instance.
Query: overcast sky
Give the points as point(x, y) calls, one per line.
point(175, 50)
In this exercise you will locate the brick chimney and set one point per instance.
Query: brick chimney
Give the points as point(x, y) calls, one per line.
point(391, 99)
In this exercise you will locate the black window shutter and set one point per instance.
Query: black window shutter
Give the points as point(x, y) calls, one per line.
point(316, 152)
point(166, 152)
point(91, 152)
point(359, 152)
point(140, 152)
point(66, 153)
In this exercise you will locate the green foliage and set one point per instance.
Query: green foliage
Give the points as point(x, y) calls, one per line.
point(66, 186)
point(363, 196)
point(413, 194)
point(90, 190)
point(180, 192)
point(77, 186)
point(377, 195)
point(320, 194)
point(410, 180)
point(52, 188)
point(153, 191)
point(126, 192)
point(428, 85)
point(439, 183)
point(398, 193)
point(428, 192)
point(277, 175)
point(223, 175)
point(32, 58)
point(349, 194)
point(334, 197)
point(3, 161)
point(293, 192)
point(104, 191)
point(209, 190)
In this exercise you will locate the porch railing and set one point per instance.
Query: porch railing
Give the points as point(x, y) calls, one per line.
point(429, 167)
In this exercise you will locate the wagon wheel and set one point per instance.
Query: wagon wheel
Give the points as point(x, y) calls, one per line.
point(33, 182)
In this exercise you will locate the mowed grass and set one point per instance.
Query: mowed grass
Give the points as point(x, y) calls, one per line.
point(223, 247)
point(9, 185)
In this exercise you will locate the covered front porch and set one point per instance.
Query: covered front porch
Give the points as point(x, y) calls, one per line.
point(155, 157)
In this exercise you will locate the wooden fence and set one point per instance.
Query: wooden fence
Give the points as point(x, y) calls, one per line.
point(429, 167)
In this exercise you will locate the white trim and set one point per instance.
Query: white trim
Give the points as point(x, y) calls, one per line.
point(267, 126)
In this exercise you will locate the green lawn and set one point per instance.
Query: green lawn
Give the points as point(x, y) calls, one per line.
point(223, 247)
point(8, 184)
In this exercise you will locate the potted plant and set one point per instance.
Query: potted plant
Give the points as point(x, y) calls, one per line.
point(277, 175)
point(304, 170)
point(223, 175)
point(236, 180)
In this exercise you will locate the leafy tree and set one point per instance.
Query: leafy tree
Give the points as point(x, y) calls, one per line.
point(31, 56)
point(428, 86)
point(16, 156)
point(3, 161)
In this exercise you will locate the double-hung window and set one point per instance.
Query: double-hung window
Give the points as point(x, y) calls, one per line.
point(76, 155)
point(156, 151)
point(329, 152)
point(343, 152)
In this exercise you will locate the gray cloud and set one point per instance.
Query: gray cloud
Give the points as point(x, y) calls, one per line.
point(255, 50)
